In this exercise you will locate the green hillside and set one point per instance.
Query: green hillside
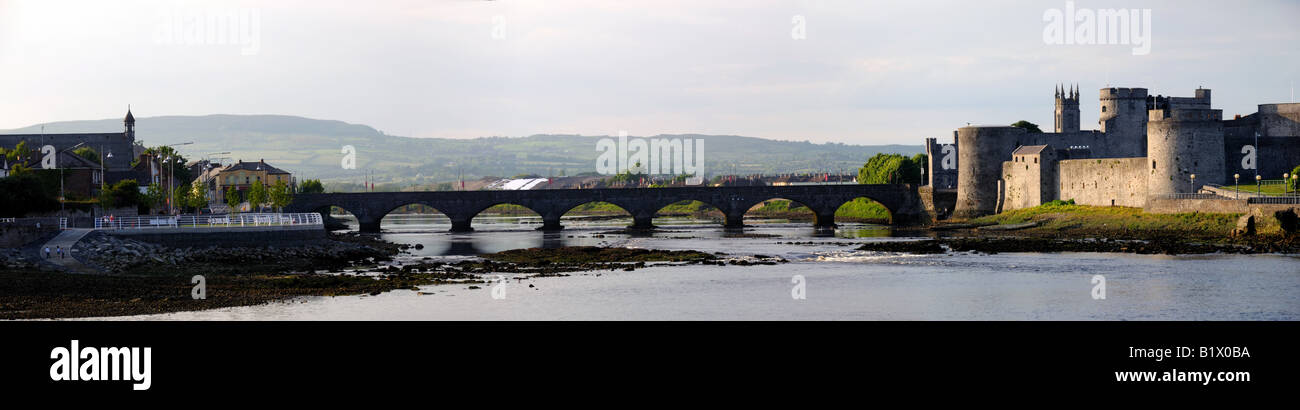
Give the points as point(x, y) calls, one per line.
point(312, 149)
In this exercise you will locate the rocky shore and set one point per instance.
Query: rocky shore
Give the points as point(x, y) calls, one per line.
point(143, 278)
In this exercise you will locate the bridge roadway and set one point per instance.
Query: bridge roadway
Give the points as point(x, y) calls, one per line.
point(902, 200)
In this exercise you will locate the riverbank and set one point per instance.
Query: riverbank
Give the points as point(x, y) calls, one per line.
point(1066, 227)
point(151, 279)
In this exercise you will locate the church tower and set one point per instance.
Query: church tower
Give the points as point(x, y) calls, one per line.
point(1067, 109)
point(130, 125)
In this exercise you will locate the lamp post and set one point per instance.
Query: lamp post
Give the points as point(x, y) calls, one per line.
point(1259, 185)
point(1294, 177)
point(1236, 185)
point(1194, 190)
point(1286, 188)
point(171, 195)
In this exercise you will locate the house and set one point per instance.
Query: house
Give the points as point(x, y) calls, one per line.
point(241, 176)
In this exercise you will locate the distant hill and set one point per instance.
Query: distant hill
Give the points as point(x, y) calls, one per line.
point(311, 148)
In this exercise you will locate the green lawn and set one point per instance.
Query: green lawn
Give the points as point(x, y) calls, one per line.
point(1267, 189)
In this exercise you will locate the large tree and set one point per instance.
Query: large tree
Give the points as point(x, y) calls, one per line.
point(892, 169)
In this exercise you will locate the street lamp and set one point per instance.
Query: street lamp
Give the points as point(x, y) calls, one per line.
point(1236, 185)
point(1259, 185)
point(1193, 176)
point(62, 196)
point(1286, 188)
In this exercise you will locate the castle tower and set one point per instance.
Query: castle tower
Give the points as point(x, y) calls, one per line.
point(979, 167)
point(1124, 120)
point(1183, 143)
point(1067, 110)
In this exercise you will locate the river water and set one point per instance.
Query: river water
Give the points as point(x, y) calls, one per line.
point(837, 282)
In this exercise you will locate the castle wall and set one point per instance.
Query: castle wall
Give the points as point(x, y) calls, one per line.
point(1182, 143)
point(1028, 183)
point(1279, 120)
point(1104, 181)
point(1272, 156)
point(942, 169)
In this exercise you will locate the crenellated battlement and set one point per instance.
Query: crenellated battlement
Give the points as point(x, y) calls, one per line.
point(1113, 93)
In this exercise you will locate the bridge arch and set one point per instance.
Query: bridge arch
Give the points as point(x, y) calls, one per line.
point(461, 221)
point(657, 208)
point(864, 209)
point(378, 220)
point(781, 206)
point(600, 206)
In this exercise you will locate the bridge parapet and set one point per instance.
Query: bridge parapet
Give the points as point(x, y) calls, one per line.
point(902, 200)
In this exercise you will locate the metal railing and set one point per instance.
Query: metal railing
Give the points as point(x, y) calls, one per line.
point(1292, 199)
point(206, 221)
point(1188, 196)
point(8, 220)
point(63, 224)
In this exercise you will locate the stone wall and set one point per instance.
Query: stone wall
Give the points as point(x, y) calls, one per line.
point(1272, 156)
point(224, 237)
point(1104, 181)
point(1279, 120)
point(23, 231)
point(1028, 182)
point(941, 172)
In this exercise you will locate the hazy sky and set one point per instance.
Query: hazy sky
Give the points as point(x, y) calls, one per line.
point(867, 72)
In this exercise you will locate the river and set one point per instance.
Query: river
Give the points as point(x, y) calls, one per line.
point(837, 282)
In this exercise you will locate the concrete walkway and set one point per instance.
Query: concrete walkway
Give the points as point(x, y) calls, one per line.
point(67, 240)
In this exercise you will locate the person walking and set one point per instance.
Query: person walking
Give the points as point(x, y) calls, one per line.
point(47, 252)
point(59, 251)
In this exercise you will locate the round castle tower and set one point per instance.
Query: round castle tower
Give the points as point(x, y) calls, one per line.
point(979, 166)
point(1124, 119)
point(1182, 143)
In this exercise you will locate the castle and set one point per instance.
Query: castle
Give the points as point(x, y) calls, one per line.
point(1146, 148)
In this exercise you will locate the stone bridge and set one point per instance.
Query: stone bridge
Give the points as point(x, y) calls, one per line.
point(902, 200)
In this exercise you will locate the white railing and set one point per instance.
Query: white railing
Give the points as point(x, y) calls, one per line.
point(63, 224)
point(8, 220)
point(206, 221)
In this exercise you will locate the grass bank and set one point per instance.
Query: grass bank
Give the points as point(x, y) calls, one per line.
point(1066, 218)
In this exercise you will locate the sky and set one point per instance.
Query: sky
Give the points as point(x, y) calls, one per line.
point(856, 72)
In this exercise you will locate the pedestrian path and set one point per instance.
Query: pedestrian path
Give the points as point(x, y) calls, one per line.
point(67, 240)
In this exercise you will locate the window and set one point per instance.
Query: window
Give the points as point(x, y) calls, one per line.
point(1153, 164)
